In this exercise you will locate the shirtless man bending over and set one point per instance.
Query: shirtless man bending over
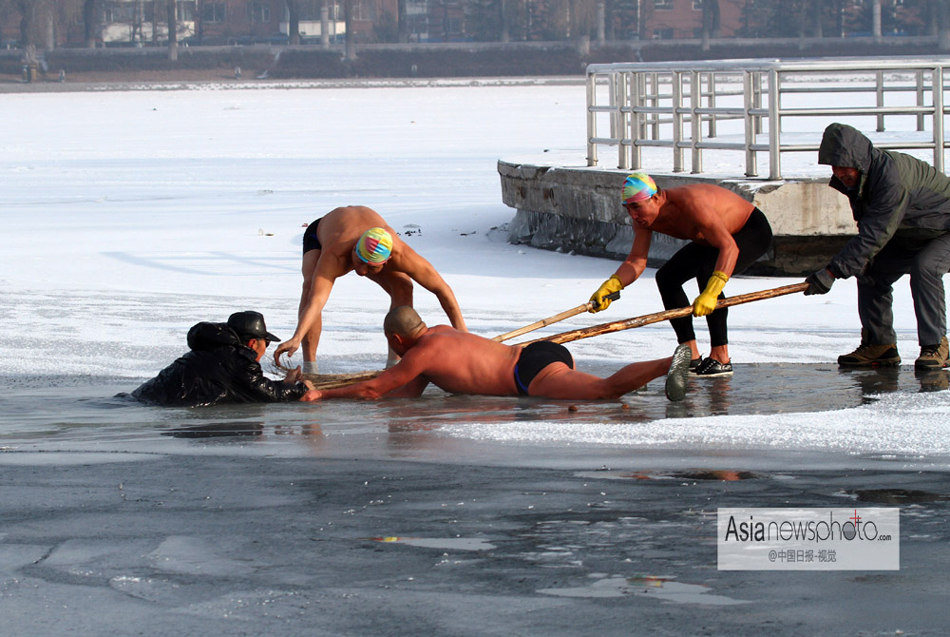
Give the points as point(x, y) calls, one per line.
point(726, 233)
point(357, 238)
point(464, 363)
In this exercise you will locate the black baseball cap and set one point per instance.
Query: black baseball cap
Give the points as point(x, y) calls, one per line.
point(250, 324)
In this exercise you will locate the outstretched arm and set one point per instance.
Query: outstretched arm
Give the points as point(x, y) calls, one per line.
point(422, 272)
point(326, 274)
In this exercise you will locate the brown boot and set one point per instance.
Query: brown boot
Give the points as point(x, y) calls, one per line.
point(933, 356)
point(871, 356)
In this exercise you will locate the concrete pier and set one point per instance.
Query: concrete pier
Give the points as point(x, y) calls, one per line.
point(577, 209)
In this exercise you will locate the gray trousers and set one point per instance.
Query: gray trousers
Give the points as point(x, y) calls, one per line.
point(926, 264)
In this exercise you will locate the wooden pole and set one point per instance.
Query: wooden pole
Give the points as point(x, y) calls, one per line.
point(552, 319)
point(640, 321)
point(543, 322)
point(330, 381)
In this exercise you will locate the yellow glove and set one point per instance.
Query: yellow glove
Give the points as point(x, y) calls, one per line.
point(705, 303)
point(608, 291)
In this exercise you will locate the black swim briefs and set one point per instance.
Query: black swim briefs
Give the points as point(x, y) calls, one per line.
point(310, 241)
point(535, 357)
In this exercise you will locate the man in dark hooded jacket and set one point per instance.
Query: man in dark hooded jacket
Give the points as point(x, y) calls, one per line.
point(223, 366)
point(902, 207)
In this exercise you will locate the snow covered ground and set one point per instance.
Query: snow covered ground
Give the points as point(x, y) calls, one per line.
point(129, 216)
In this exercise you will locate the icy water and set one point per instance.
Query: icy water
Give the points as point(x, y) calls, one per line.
point(131, 216)
point(88, 414)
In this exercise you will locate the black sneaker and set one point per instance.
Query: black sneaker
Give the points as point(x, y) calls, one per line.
point(676, 376)
point(710, 368)
point(696, 362)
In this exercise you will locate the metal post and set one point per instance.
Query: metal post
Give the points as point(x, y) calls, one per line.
point(880, 99)
point(622, 120)
point(612, 97)
point(695, 122)
point(711, 101)
point(655, 101)
point(757, 100)
point(636, 120)
point(751, 169)
point(591, 119)
point(643, 86)
point(937, 91)
point(920, 98)
point(677, 93)
point(775, 127)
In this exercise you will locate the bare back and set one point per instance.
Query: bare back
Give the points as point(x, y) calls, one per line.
point(463, 363)
point(341, 228)
point(689, 209)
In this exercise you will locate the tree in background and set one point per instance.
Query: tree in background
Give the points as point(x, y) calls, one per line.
point(402, 22)
point(45, 23)
point(171, 10)
point(710, 22)
point(568, 19)
point(941, 11)
point(90, 21)
point(386, 27)
point(583, 19)
point(293, 19)
point(41, 20)
point(624, 20)
point(488, 20)
point(348, 20)
point(837, 18)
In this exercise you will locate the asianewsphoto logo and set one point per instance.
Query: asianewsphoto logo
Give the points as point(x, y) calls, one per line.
point(853, 528)
point(809, 539)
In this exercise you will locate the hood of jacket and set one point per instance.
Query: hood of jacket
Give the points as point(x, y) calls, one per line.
point(845, 146)
point(204, 337)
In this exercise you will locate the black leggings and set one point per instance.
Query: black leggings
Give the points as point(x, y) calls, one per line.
point(698, 261)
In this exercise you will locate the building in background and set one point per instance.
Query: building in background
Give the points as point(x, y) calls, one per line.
point(55, 23)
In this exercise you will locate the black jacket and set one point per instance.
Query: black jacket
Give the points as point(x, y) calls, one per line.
point(218, 369)
point(898, 197)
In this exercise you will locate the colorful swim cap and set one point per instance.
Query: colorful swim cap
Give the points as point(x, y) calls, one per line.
point(374, 246)
point(637, 187)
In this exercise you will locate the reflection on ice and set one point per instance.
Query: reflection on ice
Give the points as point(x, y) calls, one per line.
point(444, 543)
point(663, 588)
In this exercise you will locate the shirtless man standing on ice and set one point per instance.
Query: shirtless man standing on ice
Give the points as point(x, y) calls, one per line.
point(464, 363)
point(726, 233)
point(357, 238)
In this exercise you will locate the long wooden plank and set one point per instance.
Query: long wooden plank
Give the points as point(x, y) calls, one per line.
point(640, 321)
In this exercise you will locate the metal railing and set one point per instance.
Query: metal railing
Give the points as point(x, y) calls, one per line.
point(761, 106)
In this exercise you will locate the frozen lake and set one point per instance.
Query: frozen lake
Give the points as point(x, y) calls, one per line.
point(129, 216)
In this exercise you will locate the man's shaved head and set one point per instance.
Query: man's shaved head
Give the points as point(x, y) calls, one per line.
point(403, 321)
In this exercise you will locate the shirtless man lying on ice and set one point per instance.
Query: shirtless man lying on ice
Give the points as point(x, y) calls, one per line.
point(464, 363)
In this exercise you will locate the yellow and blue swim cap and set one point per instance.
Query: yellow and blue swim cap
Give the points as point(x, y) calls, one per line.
point(637, 187)
point(375, 246)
